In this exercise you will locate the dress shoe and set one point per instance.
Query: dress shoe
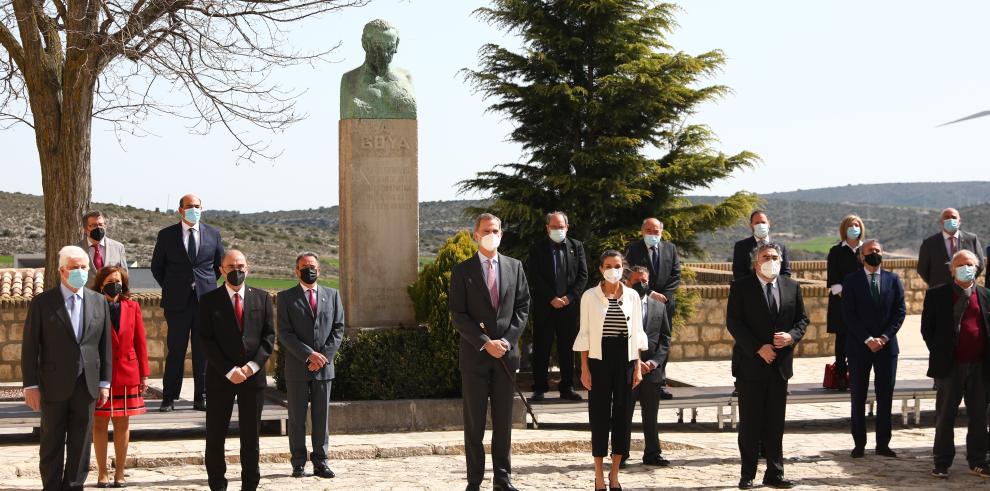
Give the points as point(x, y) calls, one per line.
point(664, 395)
point(536, 397)
point(940, 472)
point(168, 405)
point(570, 395)
point(298, 471)
point(886, 452)
point(746, 484)
point(658, 461)
point(857, 453)
point(503, 486)
point(778, 483)
point(324, 472)
point(199, 404)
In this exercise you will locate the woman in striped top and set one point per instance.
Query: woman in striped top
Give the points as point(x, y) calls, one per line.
point(609, 340)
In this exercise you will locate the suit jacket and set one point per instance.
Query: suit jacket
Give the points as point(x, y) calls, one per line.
point(114, 256)
point(865, 319)
point(470, 305)
point(226, 346)
point(749, 322)
point(668, 278)
point(50, 354)
point(301, 333)
point(540, 273)
point(174, 271)
point(658, 334)
point(130, 351)
point(742, 264)
point(933, 258)
point(940, 329)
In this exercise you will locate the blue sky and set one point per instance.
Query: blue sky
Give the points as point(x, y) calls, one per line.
point(827, 92)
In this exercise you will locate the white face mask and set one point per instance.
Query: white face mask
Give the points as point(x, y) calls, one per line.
point(612, 275)
point(490, 242)
point(770, 269)
point(761, 230)
point(558, 235)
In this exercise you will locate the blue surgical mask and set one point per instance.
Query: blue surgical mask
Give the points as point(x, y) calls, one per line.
point(192, 215)
point(77, 278)
point(761, 230)
point(951, 225)
point(651, 240)
point(558, 235)
point(853, 232)
point(965, 273)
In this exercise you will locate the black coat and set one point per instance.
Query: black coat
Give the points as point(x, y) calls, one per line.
point(864, 319)
point(668, 278)
point(840, 263)
point(742, 265)
point(226, 346)
point(748, 319)
point(540, 273)
point(941, 331)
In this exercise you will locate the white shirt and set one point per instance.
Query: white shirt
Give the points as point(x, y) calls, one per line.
point(240, 293)
point(837, 288)
point(594, 305)
point(776, 290)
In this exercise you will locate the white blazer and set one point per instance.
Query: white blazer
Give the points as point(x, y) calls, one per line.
point(594, 305)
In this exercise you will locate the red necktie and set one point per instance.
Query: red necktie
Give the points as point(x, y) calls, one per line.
point(239, 311)
point(312, 300)
point(97, 257)
point(952, 247)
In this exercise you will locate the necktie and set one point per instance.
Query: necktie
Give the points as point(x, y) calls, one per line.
point(560, 271)
point(874, 288)
point(952, 247)
point(97, 257)
point(191, 245)
point(312, 300)
point(75, 315)
point(239, 311)
point(655, 259)
point(492, 285)
point(772, 301)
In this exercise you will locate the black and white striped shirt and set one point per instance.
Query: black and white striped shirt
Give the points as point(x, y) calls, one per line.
point(615, 321)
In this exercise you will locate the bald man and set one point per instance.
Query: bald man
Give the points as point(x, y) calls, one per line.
point(937, 249)
point(186, 264)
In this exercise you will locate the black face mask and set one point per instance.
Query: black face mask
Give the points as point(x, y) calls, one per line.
point(873, 259)
point(308, 275)
point(113, 289)
point(98, 233)
point(642, 289)
point(235, 277)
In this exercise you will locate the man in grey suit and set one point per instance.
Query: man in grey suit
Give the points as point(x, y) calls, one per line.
point(66, 366)
point(102, 250)
point(310, 328)
point(488, 292)
point(937, 249)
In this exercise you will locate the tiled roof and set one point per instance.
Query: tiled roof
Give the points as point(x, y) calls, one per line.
point(21, 282)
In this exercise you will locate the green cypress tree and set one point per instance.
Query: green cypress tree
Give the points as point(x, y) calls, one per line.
point(601, 104)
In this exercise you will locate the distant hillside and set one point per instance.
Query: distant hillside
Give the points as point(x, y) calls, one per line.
point(936, 195)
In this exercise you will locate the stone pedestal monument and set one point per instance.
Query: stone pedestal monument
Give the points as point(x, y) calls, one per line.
point(379, 186)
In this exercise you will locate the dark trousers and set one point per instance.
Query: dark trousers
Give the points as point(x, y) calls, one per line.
point(314, 395)
point(562, 324)
point(610, 397)
point(884, 366)
point(762, 405)
point(66, 433)
point(648, 395)
point(966, 383)
point(180, 324)
point(841, 367)
point(662, 367)
point(484, 379)
point(250, 399)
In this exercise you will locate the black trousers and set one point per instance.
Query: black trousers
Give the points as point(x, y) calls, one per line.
point(762, 405)
point(66, 433)
point(562, 324)
point(484, 379)
point(250, 399)
point(648, 395)
point(884, 366)
point(965, 383)
point(841, 366)
point(610, 397)
point(180, 324)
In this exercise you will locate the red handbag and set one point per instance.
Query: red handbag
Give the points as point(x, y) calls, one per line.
point(831, 379)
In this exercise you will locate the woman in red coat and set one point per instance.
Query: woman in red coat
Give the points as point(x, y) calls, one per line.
point(130, 374)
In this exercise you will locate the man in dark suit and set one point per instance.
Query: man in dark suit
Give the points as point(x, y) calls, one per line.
point(66, 366)
point(766, 317)
point(103, 251)
point(652, 361)
point(237, 326)
point(936, 250)
point(660, 257)
point(955, 323)
point(488, 292)
point(310, 328)
point(759, 223)
point(557, 272)
point(186, 263)
point(873, 309)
